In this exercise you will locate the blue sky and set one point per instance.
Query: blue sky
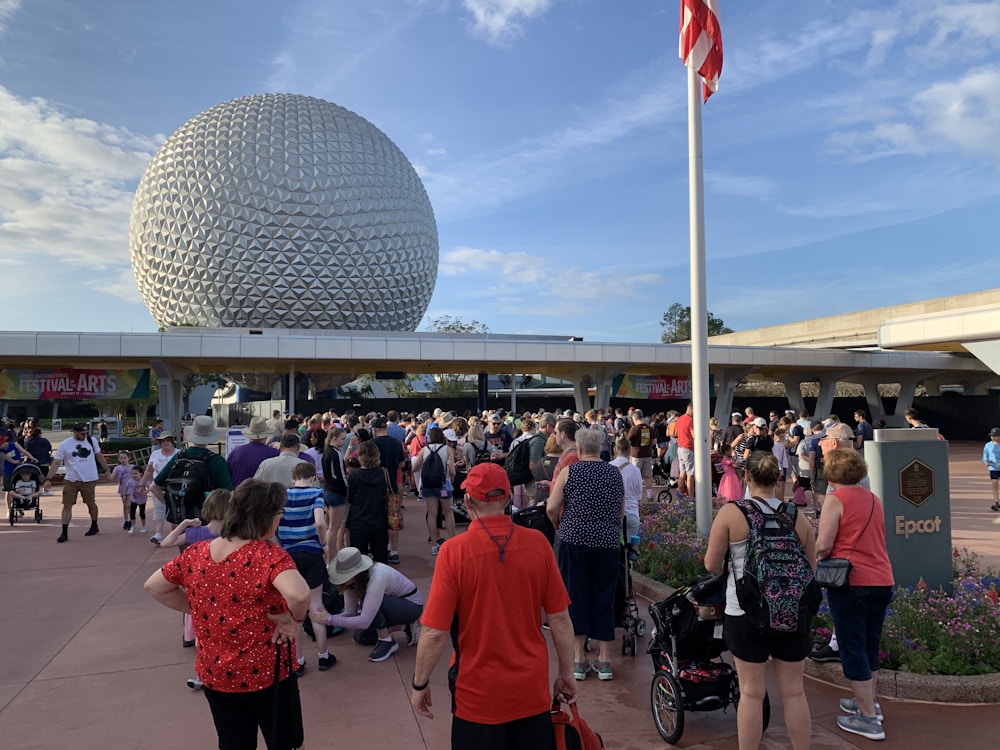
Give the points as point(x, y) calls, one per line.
point(852, 154)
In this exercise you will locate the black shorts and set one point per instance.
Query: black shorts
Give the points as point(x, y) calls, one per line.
point(748, 643)
point(311, 567)
point(533, 731)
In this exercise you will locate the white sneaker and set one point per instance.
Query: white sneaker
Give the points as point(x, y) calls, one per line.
point(142, 530)
point(132, 530)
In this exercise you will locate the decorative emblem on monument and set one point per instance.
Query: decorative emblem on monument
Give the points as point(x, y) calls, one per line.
point(916, 483)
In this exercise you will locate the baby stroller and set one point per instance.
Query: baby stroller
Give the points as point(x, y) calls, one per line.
point(626, 610)
point(686, 646)
point(17, 507)
point(662, 481)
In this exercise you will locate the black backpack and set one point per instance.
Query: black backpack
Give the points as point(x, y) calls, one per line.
point(517, 462)
point(432, 470)
point(187, 484)
point(482, 454)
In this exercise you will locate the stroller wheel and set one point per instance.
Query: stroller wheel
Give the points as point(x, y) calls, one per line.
point(667, 704)
point(640, 628)
point(664, 496)
point(624, 645)
point(38, 515)
point(13, 515)
point(587, 645)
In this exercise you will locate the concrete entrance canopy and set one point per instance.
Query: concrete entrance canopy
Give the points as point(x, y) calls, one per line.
point(178, 352)
point(864, 329)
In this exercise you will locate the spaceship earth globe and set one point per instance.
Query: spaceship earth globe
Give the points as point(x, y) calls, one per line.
point(283, 211)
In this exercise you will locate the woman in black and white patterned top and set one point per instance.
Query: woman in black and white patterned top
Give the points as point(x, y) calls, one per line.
point(586, 505)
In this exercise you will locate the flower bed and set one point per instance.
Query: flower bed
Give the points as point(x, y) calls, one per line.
point(926, 632)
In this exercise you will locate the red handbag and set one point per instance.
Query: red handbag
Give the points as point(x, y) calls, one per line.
point(572, 732)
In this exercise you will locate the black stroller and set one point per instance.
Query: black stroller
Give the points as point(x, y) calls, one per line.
point(17, 507)
point(662, 481)
point(686, 646)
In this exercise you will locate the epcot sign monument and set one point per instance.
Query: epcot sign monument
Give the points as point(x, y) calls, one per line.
point(283, 211)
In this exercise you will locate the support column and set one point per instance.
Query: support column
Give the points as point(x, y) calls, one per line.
point(876, 409)
point(513, 391)
point(726, 381)
point(793, 391)
point(827, 386)
point(907, 390)
point(291, 387)
point(482, 391)
point(580, 394)
point(171, 409)
point(603, 381)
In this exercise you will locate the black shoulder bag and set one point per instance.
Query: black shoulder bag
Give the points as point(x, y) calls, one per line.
point(835, 572)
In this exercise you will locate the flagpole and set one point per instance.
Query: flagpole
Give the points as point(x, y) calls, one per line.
point(699, 310)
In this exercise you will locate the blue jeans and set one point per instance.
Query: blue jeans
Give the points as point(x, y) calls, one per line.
point(858, 613)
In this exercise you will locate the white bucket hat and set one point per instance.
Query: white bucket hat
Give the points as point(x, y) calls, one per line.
point(347, 564)
point(258, 428)
point(203, 432)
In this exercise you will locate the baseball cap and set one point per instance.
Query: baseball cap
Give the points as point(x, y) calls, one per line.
point(759, 422)
point(380, 423)
point(839, 431)
point(995, 432)
point(487, 482)
point(496, 418)
point(78, 427)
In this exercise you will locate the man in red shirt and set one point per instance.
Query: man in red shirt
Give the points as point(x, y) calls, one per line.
point(685, 452)
point(496, 579)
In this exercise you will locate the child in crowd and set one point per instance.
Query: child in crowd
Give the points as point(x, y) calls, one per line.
point(302, 534)
point(123, 473)
point(781, 453)
point(192, 530)
point(991, 460)
point(730, 486)
point(136, 492)
point(25, 489)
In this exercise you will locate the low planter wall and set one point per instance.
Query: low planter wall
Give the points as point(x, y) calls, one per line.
point(972, 689)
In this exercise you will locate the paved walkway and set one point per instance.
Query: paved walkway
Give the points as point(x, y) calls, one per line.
point(92, 662)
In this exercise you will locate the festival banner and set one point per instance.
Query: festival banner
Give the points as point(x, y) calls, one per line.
point(66, 382)
point(651, 386)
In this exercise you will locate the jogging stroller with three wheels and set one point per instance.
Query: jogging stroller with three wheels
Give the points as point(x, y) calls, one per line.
point(686, 647)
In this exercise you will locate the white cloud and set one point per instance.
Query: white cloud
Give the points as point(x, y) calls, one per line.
point(7, 9)
point(965, 112)
point(499, 21)
point(66, 184)
point(512, 278)
point(436, 152)
point(741, 186)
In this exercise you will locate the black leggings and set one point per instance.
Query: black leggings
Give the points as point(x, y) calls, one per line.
point(131, 511)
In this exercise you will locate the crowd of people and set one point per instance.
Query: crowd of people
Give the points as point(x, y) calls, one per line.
point(301, 512)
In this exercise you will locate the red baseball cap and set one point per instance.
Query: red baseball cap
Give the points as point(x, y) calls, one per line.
point(488, 483)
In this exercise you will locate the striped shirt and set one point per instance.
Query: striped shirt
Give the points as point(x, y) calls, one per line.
point(297, 528)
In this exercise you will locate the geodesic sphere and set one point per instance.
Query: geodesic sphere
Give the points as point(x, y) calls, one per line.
point(283, 211)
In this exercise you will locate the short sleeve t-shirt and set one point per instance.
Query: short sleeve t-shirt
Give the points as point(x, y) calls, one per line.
point(78, 457)
point(641, 437)
point(297, 528)
point(230, 601)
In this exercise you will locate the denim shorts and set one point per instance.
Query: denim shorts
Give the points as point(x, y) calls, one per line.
point(858, 613)
point(333, 499)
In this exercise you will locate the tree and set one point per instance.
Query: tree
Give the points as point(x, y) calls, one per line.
point(448, 324)
point(676, 324)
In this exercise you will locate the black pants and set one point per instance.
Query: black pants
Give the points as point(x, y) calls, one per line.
point(237, 717)
point(534, 732)
point(132, 508)
point(374, 542)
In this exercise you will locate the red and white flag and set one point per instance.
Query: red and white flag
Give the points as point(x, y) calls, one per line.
point(701, 41)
